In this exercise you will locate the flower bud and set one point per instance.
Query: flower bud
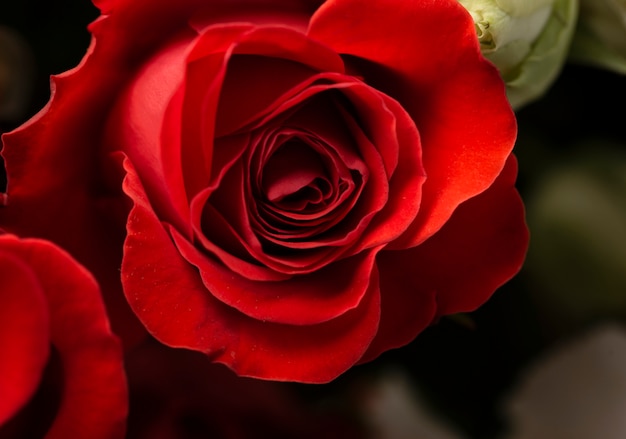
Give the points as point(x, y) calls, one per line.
point(527, 40)
point(600, 37)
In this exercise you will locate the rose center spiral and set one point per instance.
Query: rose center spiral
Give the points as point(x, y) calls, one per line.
point(295, 179)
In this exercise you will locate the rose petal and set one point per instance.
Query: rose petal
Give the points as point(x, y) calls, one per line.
point(405, 170)
point(207, 59)
point(145, 123)
point(456, 270)
point(265, 65)
point(219, 46)
point(484, 247)
point(400, 322)
point(385, 119)
point(305, 299)
point(137, 25)
point(198, 321)
point(291, 169)
point(285, 13)
point(59, 186)
point(94, 398)
point(24, 337)
point(441, 84)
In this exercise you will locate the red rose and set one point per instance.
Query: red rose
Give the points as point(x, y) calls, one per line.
point(61, 374)
point(311, 184)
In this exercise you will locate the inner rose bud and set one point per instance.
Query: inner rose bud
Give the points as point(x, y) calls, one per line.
point(297, 189)
point(299, 174)
point(293, 171)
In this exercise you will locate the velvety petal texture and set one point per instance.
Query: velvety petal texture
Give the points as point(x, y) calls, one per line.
point(199, 321)
point(457, 269)
point(50, 304)
point(291, 187)
point(426, 54)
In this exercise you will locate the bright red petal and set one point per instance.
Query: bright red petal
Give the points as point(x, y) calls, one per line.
point(426, 55)
point(480, 248)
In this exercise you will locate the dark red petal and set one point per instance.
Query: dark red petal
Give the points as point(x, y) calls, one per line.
point(389, 144)
point(167, 294)
point(426, 55)
point(287, 13)
point(223, 224)
point(353, 155)
point(266, 63)
point(94, 399)
point(225, 243)
point(480, 248)
point(63, 187)
point(216, 49)
point(293, 208)
point(405, 312)
point(150, 19)
point(204, 76)
point(289, 170)
point(24, 332)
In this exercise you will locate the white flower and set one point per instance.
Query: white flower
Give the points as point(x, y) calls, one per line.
point(527, 40)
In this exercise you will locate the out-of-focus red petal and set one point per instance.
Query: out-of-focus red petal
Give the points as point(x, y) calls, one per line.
point(426, 55)
point(94, 399)
point(63, 187)
point(480, 248)
point(169, 297)
point(24, 333)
